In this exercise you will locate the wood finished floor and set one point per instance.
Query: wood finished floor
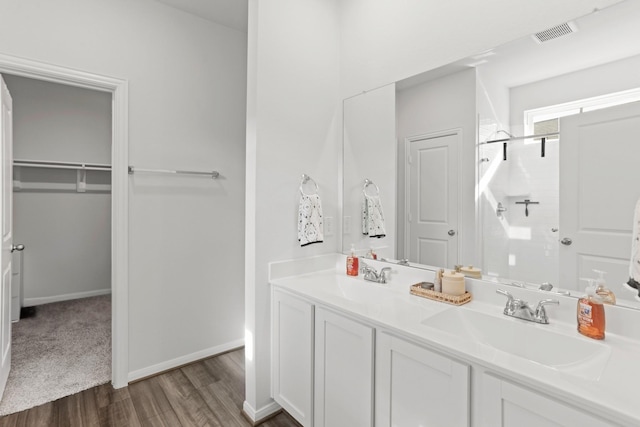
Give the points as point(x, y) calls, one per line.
point(206, 393)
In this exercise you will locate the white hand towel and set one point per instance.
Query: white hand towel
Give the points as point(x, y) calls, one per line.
point(372, 217)
point(634, 265)
point(310, 227)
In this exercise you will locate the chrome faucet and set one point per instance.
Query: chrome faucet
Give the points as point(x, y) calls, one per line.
point(372, 275)
point(546, 286)
point(520, 309)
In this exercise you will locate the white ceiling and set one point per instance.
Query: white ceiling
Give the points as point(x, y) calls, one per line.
point(230, 13)
point(603, 36)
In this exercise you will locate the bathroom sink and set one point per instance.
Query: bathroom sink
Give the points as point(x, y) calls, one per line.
point(575, 355)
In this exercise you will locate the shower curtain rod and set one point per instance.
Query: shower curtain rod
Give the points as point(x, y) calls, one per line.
point(518, 138)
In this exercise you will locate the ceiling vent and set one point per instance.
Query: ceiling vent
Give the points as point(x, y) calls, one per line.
point(555, 32)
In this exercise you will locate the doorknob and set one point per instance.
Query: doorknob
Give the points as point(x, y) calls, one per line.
point(451, 233)
point(566, 241)
point(18, 248)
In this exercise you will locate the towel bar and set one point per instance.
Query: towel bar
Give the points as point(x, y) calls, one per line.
point(212, 174)
point(368, 182)
point(306, 178)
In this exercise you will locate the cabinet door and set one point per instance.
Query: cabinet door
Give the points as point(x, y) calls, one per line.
point(509, 405)
point(292, 355)
point(417, 387)
point(343, 371)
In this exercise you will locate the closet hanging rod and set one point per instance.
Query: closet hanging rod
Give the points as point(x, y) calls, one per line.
point(61, 165)
point(518, 138)
point(212, 174)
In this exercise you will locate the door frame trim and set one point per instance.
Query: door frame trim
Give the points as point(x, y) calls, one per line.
point(407, 178)
point(119, 90)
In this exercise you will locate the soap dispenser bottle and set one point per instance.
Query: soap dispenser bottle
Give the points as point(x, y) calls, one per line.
point(352, 262)
point(607, 295)
point(591, 321)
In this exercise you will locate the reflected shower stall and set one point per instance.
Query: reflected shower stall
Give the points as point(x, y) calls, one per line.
point(518, 187)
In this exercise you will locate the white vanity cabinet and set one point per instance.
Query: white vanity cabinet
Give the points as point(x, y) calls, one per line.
point(418, 387)
point(344, 355)
point(333, 367)
point(506, 404)
point(292, 355)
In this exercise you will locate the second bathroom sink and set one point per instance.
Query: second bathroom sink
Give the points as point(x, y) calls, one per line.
point(575, 355)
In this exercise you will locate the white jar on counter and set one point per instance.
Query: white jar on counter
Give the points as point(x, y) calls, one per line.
point(453, 283)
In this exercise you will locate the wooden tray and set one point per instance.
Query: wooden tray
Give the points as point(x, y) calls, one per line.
point(439, 296)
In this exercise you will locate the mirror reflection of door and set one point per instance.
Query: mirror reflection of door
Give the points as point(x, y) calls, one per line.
point(432, 198)
point(599, 153)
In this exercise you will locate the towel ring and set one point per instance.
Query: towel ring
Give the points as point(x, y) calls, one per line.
point(368, 182)
point(306, 178)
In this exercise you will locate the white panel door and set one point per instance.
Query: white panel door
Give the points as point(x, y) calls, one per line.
point(508, 405)
point(292, 355)
point(7, 240)
point(599, 153)
point(417, 387)
point(432, 198)
point(343, 372)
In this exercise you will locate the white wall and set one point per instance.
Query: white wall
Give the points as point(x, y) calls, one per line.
point(67, 234)
point(444, 104)
point(187, 86)
point(370, 151)
point(294, 126)
point(59, 123)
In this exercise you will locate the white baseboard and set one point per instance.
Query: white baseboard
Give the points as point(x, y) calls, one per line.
point(183, 360)
point(28, 302)
point(258, 415)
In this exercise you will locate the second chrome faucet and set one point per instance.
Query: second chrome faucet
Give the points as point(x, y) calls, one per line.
point(372, 275)
point(521, 310)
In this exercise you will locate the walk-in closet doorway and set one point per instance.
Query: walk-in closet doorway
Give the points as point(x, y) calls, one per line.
point(117, 155)
point(61, 204)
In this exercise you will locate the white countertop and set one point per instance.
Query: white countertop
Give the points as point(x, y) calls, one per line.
point(610, 390)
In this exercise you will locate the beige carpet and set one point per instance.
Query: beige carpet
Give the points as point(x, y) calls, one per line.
point(65, 348)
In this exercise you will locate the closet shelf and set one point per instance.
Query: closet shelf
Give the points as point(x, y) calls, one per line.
point(79, 186)
point(19, 186)
point(61, 165)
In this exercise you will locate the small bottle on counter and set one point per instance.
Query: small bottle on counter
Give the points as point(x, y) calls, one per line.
point(607, 295)
point(470, 271)
point(352, 262)
point(371, 254)
point(591, 321)
point(437, 282)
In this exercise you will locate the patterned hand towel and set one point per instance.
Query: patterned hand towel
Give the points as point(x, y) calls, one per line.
point(310, 229)
point(372, 217)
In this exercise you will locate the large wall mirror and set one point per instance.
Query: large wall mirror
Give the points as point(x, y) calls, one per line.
point(446, 157)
